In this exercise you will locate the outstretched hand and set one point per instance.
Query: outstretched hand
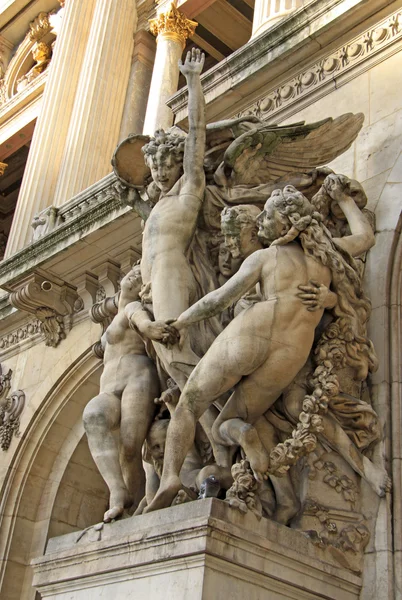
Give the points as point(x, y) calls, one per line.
point(193, 63)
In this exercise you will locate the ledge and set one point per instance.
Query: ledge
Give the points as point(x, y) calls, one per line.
point(236, 81)
point(90, 210)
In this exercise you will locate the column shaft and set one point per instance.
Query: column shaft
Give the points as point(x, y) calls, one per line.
point(269, 12)
point(164, 81)
point(47, 146)
point(172, 29)
point(138, 86)
point(99, 103)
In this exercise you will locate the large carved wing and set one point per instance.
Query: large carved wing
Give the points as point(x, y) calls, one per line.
point(269, 152)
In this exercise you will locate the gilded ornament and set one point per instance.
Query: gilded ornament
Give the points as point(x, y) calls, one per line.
point(173, 25)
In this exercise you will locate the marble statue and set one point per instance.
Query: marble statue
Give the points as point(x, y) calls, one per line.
point(239, 358)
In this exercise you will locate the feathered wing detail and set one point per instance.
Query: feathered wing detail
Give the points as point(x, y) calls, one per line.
point(269, 152)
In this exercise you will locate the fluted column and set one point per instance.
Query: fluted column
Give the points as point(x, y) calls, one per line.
point(47, 146)
point(268, 12)
point(138, 86)
point(98, 108)
point(172, 29)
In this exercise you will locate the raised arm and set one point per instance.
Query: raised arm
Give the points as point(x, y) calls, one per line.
point(217, 301)
point(362, 238)
point(194, 150)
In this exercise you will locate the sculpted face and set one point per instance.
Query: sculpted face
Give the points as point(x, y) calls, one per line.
point(269, 222)
point(165, 170)
point(227, 264)
point(156, 442)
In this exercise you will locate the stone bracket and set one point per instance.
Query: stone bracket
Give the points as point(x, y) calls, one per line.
point(46, 297)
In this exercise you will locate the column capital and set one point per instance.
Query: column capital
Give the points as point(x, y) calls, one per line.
point(173, 25)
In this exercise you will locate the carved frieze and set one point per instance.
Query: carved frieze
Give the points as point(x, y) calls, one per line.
point(319, 74)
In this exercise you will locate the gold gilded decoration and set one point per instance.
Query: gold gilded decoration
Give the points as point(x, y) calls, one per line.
point(39, 27)
point(3, 167)
point(173, 25)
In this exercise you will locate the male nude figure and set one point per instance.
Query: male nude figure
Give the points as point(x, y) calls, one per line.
point(262, 349)
point(172, 222)
point(128, 386)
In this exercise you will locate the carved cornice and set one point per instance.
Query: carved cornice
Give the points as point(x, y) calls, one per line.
point(11, 407)
point(332, 67)
point(48, 299)
point(95, 207)
point(172, 25)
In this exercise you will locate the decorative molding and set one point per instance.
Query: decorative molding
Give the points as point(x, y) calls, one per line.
point(172, 25)
point(95, 207)
point(28, 330)
point(328, 69)
point(48, 299)
point(11, 407)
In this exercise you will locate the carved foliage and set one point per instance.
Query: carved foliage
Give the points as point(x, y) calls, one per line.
point(11, 407)
point(173, 23)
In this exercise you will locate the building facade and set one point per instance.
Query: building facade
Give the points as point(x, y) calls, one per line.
point(76, 79)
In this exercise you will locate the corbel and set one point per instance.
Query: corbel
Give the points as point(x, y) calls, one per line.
point(87, 288)
point(48, 298)
point(109, 275)
point(128, 258)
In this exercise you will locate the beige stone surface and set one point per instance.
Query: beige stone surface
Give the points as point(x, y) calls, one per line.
point(45, 158)
point(204, 550)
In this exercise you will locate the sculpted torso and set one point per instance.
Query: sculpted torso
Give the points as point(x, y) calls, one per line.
point(170, 228)
point(121, 343)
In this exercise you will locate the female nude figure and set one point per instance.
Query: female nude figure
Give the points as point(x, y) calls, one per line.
point(265, 346)
point(128, 386)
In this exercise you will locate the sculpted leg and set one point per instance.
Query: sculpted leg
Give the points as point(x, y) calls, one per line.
point(137, 411)
point(101, 417)
point(203, 387)
point(287, 504)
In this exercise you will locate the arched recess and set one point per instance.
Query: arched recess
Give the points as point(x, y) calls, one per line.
point(38, 468)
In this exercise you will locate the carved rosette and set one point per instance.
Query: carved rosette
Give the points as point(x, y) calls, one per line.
point(173, 25)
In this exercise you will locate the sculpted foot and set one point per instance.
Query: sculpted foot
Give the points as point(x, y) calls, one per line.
point(166, 494)
point(377, 477)
point(118, 502)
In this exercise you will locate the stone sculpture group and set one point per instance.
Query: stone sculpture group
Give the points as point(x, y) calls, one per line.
point(239, 351)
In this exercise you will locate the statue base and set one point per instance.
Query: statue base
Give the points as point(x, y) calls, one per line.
point(202, 550)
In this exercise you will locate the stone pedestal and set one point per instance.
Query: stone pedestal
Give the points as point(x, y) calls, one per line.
point(202, 550)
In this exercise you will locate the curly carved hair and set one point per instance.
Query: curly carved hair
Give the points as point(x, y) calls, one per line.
point(164, 143)
point(233, 218)
point(353, 307)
